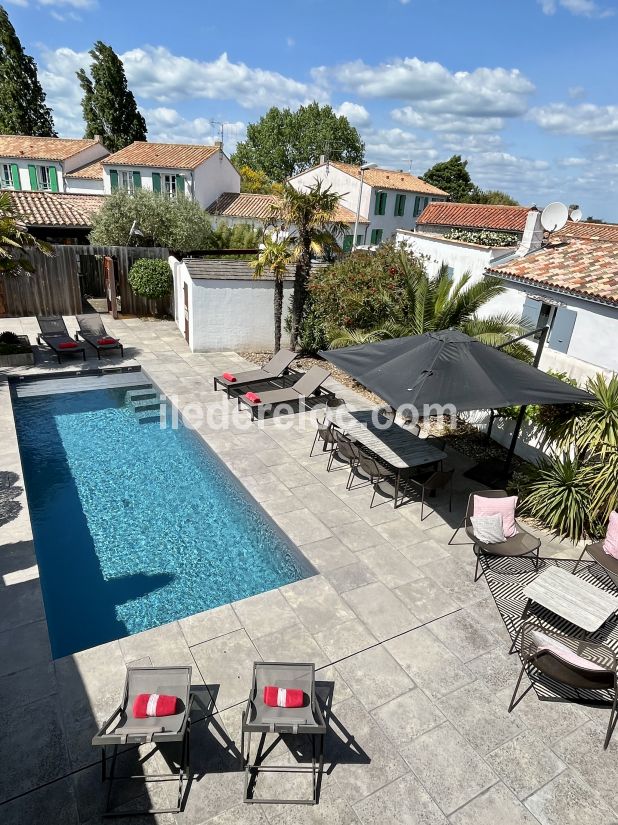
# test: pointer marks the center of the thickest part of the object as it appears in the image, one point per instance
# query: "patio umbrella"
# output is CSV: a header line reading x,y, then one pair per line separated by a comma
x,y
449,367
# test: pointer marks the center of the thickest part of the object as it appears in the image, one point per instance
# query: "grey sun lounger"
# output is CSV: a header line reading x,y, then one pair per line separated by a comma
x,y
309,385
262,719
91,329
122,728
55,334
275,368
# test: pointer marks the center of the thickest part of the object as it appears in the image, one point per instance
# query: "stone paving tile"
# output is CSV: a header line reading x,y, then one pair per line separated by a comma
x,y
24,647
427,599
227,663
264,613
302,526
496,669
375,677
54,803
423,552
328,554
497,804
317,604
292,643
345,639
358,536
163,645
583,751
525,764
403,802
549,720
389,565
464,636
350,577
383,613
408,716
448,767
208,625
566,800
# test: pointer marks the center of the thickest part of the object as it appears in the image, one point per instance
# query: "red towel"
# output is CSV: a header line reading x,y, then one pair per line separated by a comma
x,y
229,376
276,697
106,340
67,345
253,397
154,704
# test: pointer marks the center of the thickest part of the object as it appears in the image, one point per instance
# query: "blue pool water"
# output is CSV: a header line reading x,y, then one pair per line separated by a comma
x,y
135,525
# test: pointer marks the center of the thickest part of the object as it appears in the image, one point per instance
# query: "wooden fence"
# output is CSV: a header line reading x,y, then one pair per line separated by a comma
x,y
53,287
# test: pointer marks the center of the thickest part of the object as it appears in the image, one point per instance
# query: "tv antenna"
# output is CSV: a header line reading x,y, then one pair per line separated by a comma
x,y
554,217
220,126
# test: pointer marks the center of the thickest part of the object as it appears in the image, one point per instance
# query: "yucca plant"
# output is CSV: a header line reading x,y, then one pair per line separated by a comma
x,y
559,495
597,432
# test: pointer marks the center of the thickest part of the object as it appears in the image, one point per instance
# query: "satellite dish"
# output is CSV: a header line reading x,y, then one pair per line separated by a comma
x,y
576,215
554,217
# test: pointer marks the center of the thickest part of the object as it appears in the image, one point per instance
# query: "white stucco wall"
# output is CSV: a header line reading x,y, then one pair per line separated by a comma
x,y
85,157
82,158
462,257
83,186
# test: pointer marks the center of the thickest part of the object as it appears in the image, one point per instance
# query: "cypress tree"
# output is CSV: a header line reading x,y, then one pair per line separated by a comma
x,y
108,104
22,99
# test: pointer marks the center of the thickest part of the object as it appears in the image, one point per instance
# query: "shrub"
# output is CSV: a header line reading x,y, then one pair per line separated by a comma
x,y
151,278
482,237
12,344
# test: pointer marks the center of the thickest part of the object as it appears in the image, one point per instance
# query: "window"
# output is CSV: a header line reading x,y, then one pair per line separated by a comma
x,y
347,243
376,236
6,181
380,207
125,180
419,204
400,205
169,185
43,174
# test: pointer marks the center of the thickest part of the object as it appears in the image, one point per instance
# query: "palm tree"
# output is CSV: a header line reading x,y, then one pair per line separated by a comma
x,y
14,238
437,303
310,212
277,251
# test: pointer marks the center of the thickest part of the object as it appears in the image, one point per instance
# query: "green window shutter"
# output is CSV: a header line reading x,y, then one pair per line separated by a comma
x,y
113,179
53,178
180,184
137,180
376,236
156,181
15,176
380,208
400,205
347,242
34,181
359,240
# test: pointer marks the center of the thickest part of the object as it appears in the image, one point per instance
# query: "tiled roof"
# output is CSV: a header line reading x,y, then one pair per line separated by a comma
x,y
42,148
161,155
474,216
585,268
260,207
591,231
387,179
55,209
93,171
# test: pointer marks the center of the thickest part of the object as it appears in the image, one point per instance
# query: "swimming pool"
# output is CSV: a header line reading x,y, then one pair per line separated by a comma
x,y
134,525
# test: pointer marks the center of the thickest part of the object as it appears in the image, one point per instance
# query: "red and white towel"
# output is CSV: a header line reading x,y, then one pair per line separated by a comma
x,y
154,704
253,397
106,340
276,697
229,376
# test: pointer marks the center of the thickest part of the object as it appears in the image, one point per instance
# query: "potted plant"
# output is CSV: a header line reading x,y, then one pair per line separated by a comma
x,y
15,350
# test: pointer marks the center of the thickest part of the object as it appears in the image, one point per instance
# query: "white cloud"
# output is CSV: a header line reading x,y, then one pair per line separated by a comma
x,y
573,162
355,113
586,119
581,8
444,122
157,74
399,149
481,93
21,3
577,92
166,125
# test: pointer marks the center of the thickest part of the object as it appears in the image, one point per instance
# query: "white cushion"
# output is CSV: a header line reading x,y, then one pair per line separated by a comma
x,y
488,529
562,651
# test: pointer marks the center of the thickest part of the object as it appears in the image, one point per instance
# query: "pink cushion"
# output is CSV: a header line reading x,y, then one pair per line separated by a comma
x,y
504,507
563,652
610,545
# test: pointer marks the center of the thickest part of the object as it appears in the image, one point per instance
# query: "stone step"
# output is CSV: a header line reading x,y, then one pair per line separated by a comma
x,y
141,394
142,405
148,417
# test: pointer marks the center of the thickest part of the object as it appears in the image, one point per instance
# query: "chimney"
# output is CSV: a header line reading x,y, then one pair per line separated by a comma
x,y
97,138
322,159
219,145
532,239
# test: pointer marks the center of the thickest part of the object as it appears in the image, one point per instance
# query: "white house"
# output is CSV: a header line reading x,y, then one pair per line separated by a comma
x,y
42,164
234,208
389,200
200,172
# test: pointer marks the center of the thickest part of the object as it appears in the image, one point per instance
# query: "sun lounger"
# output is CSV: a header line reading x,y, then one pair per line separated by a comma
x,y
55,334
124,728
309,385
93,332
275,368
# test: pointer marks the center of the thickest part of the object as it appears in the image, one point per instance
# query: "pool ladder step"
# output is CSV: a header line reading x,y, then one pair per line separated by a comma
x,y
145,403
148,416
141,394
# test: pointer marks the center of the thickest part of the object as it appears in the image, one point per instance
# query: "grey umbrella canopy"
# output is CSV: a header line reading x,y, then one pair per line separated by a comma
x,y
449,367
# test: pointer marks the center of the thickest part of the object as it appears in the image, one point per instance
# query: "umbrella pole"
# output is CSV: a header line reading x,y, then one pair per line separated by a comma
x,y
522,409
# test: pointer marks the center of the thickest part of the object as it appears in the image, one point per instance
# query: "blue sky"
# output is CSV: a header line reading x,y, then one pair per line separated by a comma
x,y
525,90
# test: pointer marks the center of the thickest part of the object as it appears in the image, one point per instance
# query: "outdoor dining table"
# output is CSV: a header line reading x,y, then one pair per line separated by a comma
x,y
392,443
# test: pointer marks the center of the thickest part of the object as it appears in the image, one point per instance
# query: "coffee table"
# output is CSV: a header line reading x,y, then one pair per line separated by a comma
x,y
579,602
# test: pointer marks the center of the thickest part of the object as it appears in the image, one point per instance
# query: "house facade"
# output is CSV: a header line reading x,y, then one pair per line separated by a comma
x,y
41,164
389,200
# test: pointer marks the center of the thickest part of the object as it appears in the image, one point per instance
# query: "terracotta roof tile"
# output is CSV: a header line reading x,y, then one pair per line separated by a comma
x,y
591,231
387,179
93,171
42,148
55,209
161,155
260,207
474,216
586,268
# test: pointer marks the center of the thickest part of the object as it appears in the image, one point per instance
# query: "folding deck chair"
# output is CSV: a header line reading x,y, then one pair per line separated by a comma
x,y
308,385
277,367
55,334
92,330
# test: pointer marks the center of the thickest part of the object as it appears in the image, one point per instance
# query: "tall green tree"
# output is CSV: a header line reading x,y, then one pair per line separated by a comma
x,y
310,214
22,99
108,104
276,253
283,143
451,175
495,197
